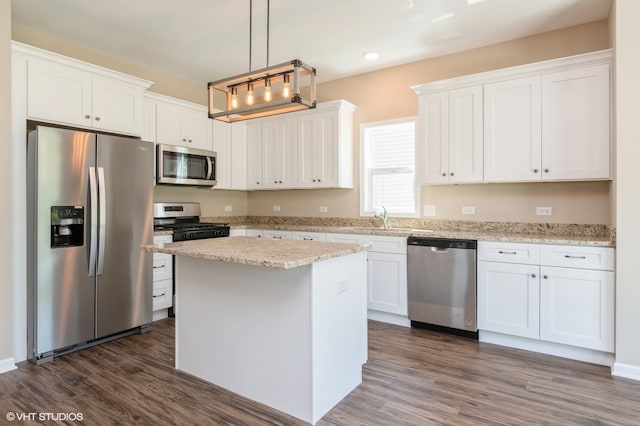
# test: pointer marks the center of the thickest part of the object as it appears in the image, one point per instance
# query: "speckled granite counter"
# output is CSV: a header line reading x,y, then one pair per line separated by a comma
x,y
279,254
537,233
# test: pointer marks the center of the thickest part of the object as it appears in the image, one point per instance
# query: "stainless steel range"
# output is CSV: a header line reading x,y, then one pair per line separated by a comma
x,y
184,220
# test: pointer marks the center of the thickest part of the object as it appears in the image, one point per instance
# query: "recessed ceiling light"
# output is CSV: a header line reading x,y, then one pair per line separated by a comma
x,y
370,56
443,17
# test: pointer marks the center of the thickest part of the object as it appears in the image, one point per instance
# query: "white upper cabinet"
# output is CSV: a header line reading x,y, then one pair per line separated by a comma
x,y
512,130
547,121
222,147
279,154
65,91
576,110
306,149
449,147
183,123
325,148
254,155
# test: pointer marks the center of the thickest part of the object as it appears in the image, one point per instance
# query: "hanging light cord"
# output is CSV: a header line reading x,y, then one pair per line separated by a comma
x,y
268,8
250,30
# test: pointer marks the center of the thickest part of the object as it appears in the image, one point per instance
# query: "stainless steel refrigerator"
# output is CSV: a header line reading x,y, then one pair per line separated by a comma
x,y
89,209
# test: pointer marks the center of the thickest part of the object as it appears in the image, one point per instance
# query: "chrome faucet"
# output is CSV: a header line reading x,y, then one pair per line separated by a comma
x,y
384,216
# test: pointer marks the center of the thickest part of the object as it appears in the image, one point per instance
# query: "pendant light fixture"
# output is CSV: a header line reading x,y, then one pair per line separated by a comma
x,y
267,91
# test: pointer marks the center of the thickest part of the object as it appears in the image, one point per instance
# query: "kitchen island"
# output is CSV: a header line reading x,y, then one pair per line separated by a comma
x,y
279,322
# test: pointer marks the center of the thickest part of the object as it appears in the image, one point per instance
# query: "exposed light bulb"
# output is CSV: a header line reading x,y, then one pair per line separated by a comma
x,y
250,94
286,92
267,90
234,98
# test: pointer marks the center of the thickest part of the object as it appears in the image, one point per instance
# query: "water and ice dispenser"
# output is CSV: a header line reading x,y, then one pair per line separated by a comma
x,y
67,226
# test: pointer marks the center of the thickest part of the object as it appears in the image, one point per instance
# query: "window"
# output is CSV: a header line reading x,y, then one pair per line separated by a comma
x,y
388,162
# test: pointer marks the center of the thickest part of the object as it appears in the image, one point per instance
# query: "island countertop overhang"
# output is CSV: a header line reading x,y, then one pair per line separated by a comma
x,y
277,254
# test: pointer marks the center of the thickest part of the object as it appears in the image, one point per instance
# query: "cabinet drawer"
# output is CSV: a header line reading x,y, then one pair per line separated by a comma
x,y
384,244
162,266
162,294
157,239
509,252
344,238
601,258
309,236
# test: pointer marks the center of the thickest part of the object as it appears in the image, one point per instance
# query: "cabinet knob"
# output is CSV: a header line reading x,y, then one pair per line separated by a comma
x,y
444,174
451,173
257,183
184,140
275,181
545,277
533,275
535,170
97,118
314,180
318,180
546,170
190,140
87,116
279,181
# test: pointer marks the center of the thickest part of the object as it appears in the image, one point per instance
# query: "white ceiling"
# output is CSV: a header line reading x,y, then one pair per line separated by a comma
x,y
205,40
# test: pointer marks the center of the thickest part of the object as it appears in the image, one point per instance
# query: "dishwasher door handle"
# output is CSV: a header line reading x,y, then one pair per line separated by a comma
x,y
439,249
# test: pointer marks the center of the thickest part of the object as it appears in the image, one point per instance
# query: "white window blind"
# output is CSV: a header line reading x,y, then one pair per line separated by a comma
x,y
388,167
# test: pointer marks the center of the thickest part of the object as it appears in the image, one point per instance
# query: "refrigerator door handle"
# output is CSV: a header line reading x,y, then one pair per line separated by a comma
x,y
103,220
93,208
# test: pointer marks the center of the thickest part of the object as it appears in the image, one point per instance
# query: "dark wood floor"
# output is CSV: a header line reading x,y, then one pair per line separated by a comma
x,y
413,377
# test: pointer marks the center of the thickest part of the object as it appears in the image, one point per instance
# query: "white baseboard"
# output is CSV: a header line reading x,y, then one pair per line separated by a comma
x,y
389,318
549,348
7,364
626,371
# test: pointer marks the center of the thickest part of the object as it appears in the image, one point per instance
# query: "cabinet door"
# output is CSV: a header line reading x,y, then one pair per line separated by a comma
x,y
576,110
308,236
117,107
432,147
279,154
318,150
170,124
254,156
509,299
149,121
222,147
238,155
59,94
199,128
512,131
387,282
465,135
577,307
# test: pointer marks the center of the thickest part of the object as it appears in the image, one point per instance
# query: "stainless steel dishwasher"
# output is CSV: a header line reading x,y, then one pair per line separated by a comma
x,y
441,277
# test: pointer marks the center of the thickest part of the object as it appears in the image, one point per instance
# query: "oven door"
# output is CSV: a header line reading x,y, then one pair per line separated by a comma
x,y
177,165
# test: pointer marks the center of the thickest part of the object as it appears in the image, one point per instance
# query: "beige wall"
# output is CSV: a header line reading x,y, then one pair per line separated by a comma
x,y
6,282
212,201
386,94
627,70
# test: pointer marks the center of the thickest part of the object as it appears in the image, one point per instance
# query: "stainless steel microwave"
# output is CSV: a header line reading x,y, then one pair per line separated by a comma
x,y
177,165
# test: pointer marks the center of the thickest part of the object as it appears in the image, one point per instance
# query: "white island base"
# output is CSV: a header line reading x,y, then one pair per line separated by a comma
x,y
292,339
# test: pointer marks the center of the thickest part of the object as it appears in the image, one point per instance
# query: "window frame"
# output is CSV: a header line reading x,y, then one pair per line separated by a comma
x,y
366,174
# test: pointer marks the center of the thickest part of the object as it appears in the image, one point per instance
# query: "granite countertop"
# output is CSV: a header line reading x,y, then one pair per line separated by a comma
x,y
278,254
530,238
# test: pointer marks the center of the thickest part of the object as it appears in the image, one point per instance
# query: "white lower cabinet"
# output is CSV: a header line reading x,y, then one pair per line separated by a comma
x,y
554,294
309,236
270,233
508,298
577,307
162,279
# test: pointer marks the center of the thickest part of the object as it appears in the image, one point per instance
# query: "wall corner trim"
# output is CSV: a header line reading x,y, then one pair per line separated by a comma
x,y
7,364
626,371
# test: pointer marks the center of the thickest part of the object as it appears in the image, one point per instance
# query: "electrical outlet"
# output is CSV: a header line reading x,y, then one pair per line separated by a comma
x,y
228,208
468,210
276,208
543,211
429,210
323,209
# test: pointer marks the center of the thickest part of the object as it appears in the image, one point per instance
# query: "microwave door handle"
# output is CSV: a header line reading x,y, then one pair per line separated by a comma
x,y
210,167
93,229
103,219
